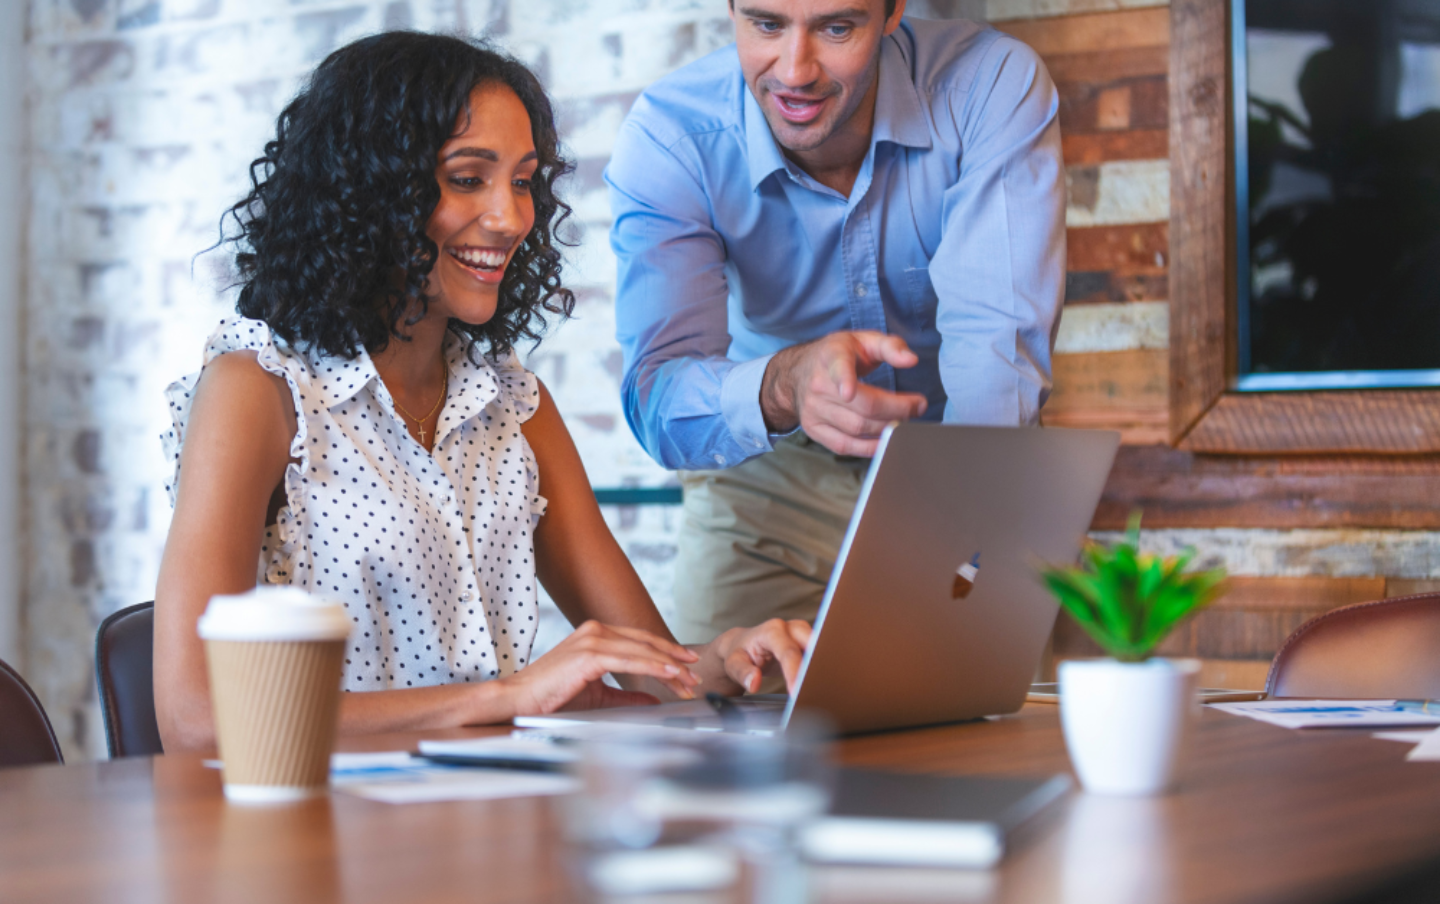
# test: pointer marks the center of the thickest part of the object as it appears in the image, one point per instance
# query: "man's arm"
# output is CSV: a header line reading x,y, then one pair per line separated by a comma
x,y
689,405
999,271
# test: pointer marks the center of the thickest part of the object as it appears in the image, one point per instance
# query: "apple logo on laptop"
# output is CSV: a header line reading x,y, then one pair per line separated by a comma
x,y
965,578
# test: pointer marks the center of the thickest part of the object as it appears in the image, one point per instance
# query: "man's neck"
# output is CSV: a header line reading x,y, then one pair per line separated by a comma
x,y
837,161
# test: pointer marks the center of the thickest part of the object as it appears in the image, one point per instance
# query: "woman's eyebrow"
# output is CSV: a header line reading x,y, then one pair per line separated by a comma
x,y
486,154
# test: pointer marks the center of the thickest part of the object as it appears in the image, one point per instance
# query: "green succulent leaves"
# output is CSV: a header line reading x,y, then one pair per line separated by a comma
x,y
1128,601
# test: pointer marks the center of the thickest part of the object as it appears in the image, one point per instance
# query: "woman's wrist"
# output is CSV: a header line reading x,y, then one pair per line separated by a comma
x,y
493,702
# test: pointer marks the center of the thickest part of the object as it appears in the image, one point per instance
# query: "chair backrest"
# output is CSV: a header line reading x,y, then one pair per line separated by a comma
x,y
124,658
26,737
1384,649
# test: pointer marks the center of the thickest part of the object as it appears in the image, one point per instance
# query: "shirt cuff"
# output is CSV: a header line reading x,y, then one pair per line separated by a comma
x,y
740,405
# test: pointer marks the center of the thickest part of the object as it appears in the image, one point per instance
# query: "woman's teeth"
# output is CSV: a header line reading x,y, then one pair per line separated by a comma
x,y
479,259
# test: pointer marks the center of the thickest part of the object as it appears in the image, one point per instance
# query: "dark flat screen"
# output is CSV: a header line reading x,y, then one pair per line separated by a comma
x,y
1338,184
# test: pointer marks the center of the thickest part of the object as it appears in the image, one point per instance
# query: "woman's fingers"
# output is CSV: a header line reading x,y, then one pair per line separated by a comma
x,y
621,664
684,654
594,637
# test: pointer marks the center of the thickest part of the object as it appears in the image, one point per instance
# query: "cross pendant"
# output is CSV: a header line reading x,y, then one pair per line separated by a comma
x,y
422,434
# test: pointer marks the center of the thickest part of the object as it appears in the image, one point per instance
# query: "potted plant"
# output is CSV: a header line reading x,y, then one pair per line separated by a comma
x,y
1125,718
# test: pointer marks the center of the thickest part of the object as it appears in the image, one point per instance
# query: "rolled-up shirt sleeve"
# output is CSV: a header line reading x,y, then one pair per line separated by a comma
x,y
999,270
686,402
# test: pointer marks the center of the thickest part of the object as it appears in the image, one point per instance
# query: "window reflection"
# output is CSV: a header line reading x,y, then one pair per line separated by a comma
x,y
1342,122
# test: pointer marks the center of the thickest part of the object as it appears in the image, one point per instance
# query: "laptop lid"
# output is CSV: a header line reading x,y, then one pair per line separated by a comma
x,y
934,612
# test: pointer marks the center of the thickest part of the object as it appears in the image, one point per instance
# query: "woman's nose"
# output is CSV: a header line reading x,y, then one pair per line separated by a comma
x,y
502,214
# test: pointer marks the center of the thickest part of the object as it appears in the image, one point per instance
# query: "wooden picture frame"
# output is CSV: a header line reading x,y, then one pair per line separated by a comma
x,y
1205,416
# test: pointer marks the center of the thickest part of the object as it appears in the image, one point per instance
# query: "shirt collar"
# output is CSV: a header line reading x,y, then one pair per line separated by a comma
x,y
341,378
471,386
899,116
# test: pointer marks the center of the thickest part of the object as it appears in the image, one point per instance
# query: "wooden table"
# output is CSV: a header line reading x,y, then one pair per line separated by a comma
x,y
1263,815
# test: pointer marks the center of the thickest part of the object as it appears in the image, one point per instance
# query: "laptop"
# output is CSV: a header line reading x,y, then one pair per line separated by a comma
x,y
934,612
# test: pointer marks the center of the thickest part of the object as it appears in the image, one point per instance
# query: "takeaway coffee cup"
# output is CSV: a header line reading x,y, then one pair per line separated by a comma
x,y
275,658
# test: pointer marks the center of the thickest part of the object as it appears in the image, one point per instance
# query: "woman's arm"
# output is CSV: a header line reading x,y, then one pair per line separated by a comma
x,y
586,573
236,448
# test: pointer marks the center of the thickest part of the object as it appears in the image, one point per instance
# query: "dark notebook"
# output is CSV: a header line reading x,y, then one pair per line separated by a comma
x,y
906,819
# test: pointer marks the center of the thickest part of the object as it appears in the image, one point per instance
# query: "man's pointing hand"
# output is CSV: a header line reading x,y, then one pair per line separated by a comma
x,y
817,387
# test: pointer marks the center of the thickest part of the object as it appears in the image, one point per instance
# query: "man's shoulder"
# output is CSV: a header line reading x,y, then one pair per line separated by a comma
x,y
947,55
696,98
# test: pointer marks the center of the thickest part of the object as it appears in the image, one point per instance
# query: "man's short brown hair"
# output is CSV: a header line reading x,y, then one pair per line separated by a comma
x,y
889,7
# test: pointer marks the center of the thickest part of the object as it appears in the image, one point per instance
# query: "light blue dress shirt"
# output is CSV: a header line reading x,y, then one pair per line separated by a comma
x,y
953,238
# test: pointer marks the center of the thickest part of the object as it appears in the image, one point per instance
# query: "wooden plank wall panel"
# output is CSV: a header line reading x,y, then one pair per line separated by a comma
x,y
1117,263
1178,489
1122,391
1111,72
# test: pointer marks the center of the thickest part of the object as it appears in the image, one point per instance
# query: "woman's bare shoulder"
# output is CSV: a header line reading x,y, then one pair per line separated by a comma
x,y
236,391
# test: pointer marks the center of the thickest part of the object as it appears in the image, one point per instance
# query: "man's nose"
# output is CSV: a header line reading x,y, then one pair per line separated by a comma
x,y
797,66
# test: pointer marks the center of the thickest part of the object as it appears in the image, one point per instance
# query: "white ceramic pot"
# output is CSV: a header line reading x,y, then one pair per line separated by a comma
x,y
1126,723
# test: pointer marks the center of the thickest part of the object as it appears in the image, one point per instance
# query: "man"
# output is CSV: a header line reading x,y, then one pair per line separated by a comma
x,y
843,220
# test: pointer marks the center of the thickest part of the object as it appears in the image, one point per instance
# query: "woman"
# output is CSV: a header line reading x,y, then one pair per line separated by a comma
x,y
365,431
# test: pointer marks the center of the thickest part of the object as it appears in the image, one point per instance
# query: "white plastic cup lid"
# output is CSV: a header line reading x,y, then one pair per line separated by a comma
x,y
273,613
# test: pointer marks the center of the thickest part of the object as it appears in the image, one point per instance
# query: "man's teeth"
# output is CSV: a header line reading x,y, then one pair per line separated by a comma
x,y
486,259
798,105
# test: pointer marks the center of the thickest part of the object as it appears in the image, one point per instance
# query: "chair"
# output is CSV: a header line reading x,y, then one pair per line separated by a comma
x,y
1383,649
124,657
26,737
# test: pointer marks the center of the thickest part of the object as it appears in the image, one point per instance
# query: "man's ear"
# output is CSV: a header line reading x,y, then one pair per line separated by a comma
x,y
891,23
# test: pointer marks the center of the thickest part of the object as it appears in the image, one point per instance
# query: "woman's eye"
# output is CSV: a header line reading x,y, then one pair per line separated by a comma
x,y
465,181
523,184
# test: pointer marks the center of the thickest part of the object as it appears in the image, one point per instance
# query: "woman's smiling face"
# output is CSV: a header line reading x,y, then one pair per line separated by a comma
x,y
485,209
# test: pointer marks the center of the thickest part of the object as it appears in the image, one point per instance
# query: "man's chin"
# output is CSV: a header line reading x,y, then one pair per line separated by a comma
x,y
800,138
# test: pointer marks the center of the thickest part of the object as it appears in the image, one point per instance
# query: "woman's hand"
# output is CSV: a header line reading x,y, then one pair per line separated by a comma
x,y
745,655
568,677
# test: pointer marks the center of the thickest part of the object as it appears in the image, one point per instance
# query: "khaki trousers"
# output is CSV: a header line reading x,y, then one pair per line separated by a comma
x,y
759,540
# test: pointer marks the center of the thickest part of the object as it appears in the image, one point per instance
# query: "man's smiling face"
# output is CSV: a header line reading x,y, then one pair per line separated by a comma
x,y
811,64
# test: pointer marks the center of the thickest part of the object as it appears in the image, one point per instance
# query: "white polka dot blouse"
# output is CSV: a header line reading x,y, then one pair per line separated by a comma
x,y
431,553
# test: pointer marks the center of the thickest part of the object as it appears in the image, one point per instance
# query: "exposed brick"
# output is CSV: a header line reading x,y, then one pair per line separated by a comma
x,y
87,451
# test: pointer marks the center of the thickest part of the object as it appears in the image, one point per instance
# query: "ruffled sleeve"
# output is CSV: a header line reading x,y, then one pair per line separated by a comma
x,y
240,334
521,389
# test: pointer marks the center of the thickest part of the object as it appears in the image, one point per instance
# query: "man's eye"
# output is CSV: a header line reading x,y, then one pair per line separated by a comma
x,y
766,26
839,31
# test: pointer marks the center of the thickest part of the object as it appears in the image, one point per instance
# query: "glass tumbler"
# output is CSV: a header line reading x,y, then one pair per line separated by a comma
x,y
714,816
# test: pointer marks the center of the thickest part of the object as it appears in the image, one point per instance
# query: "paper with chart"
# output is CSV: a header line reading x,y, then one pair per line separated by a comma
x,y
1328,713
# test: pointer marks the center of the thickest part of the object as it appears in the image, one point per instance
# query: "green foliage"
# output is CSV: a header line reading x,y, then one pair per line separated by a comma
x,y
1128,601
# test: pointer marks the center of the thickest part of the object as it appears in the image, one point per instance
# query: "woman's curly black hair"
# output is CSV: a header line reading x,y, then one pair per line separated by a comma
x,y
339,202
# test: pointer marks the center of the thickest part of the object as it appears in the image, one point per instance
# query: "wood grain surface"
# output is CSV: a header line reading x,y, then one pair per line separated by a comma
x,y
1176,488
1201,263
1123,391
1403,422
1261,814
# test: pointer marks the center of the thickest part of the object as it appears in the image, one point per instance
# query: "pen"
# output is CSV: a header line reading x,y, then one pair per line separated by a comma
x,y
1428,707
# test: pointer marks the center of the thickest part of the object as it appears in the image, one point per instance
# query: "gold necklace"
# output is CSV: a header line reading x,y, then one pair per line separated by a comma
x,y
420,421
